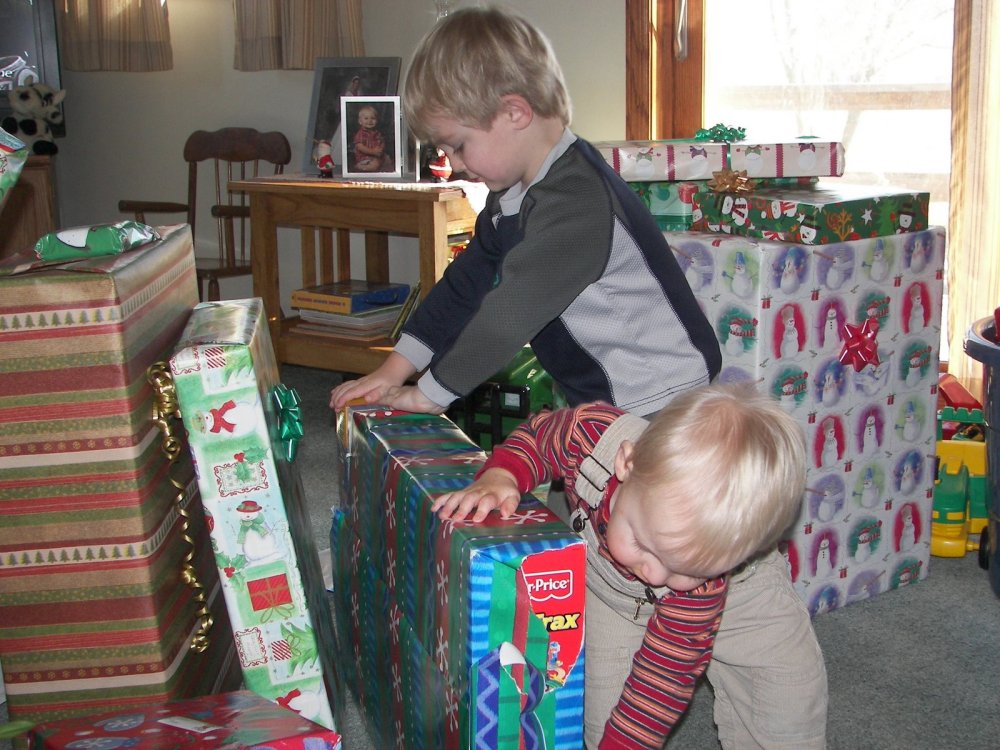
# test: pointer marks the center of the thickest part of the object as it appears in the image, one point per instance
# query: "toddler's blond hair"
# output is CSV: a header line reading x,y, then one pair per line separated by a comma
x,y
733,461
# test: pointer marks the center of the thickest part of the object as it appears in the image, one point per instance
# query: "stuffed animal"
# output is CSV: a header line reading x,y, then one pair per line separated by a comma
x,y
36,110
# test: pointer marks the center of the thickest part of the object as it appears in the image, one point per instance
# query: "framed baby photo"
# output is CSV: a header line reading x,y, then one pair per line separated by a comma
x,y
371,136
335,78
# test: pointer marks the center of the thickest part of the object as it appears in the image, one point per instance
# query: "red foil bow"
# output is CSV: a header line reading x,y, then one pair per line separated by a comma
x,y
860,346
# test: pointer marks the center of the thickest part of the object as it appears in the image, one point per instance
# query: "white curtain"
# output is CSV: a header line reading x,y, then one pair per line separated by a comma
x,y
291,34
974,242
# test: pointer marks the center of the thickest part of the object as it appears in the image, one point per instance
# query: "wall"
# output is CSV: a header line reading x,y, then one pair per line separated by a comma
x,y
125,131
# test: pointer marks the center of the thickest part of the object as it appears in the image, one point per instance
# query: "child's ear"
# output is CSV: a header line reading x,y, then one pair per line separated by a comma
x,y
623,460
517,110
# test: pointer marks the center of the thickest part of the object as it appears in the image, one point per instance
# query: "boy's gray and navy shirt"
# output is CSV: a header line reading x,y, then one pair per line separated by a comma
x,y
575,265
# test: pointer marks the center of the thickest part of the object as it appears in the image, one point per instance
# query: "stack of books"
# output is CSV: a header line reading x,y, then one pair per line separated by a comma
x,y
355,309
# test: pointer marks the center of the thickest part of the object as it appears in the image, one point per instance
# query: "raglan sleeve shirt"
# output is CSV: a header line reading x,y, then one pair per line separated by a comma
x,y
678,642
511,282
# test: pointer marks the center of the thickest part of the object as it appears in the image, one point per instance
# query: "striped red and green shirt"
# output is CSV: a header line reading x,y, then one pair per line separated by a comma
x,y
678,643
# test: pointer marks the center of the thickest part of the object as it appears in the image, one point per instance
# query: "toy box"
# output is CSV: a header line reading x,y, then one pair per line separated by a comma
x,y
821,214
243,428
648,161
100,528
457,635
232,721
846,337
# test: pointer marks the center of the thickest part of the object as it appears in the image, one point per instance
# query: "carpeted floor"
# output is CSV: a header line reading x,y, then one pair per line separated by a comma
x,y
913,669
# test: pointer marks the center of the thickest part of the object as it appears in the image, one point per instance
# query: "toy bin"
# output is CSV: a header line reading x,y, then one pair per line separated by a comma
x,y
981,344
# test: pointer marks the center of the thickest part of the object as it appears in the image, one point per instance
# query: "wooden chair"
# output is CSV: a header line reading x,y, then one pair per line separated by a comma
x,y
235,154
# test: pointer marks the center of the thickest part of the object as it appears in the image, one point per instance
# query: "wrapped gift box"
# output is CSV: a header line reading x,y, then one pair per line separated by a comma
x,y
453,630
648,161
846,337
672,203
822,214
98,524
243,428
234,721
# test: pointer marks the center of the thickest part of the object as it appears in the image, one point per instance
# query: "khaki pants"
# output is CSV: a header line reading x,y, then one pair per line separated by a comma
x,y
767,670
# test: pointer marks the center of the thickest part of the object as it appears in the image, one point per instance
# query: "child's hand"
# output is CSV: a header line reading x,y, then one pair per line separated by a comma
x,y
373,387
495,488
411,398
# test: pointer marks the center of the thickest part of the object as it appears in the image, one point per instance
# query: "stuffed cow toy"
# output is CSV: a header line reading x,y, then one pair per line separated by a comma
x,y
36,110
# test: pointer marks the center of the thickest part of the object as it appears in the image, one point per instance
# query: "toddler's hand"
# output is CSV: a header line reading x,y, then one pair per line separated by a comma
x,y
495,488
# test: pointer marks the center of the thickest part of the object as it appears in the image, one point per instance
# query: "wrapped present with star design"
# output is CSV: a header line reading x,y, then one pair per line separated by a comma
x,y
846,337
109,595
719,148
240,719
456,634
244,428
820,214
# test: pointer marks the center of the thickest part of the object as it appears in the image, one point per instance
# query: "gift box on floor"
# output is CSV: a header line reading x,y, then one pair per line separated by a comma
x,y
244,428
846,337
236,720
647,161
821,214
455,634
95,542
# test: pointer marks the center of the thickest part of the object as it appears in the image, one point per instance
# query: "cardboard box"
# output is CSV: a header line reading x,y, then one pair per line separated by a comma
x,y
243,429
846,337
233,721
676,160
452,630
97,524
822,214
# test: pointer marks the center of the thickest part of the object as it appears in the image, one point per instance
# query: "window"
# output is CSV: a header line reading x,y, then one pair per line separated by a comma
x,y
876,76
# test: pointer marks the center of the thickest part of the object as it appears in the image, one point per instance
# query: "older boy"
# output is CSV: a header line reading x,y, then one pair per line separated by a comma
x,y
564,255
666,520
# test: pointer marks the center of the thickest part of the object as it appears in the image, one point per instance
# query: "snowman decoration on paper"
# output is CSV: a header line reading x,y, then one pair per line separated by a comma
x,y
908,529
878,268
741,280
230,418
257,541
870,492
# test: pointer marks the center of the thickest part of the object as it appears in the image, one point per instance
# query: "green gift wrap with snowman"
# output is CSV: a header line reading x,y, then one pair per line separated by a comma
x,y
244,429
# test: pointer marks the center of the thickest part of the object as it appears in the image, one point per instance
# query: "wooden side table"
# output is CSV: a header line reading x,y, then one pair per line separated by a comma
x,y
328,208
30,211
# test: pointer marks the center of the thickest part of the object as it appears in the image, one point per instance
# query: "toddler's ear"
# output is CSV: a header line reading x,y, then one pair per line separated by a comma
x,y
623,460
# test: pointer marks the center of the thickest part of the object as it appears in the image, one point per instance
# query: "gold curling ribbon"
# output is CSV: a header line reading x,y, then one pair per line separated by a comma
x,y
165,410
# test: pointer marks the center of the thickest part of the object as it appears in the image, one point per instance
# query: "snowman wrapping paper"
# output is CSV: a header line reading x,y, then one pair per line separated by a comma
x,y
243,430
650,161
846,337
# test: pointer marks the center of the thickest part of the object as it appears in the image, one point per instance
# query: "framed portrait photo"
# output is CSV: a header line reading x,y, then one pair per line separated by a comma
x,y
371,136
334,79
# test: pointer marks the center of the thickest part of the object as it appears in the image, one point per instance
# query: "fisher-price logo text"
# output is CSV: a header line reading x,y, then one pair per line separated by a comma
x,y
554,584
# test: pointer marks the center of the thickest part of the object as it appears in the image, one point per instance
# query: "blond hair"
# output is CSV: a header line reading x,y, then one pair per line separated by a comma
x,y
733,462
473,58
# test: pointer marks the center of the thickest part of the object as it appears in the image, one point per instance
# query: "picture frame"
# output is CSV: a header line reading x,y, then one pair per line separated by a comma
x,y
335,78
371,136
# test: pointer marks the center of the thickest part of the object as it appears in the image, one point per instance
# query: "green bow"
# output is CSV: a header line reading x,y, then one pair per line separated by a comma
x,y
721,133
286,404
